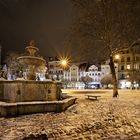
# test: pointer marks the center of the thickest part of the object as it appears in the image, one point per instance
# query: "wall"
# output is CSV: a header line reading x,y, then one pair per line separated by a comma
x,y
20,91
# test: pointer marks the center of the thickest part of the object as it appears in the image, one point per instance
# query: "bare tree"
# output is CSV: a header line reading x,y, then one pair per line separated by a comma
x,y
104,26
106,80
86,80
12,62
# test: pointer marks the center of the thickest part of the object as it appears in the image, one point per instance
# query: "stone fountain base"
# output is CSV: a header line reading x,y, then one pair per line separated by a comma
x,y
22,108
29,90
26,97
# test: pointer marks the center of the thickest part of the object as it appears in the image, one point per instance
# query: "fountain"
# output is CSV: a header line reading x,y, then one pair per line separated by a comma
x,y
32,62
18,97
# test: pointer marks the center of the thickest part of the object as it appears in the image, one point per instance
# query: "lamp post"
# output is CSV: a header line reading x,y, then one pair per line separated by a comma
x,y
64,64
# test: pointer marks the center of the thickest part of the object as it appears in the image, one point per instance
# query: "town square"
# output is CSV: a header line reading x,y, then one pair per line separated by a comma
x,y
69,70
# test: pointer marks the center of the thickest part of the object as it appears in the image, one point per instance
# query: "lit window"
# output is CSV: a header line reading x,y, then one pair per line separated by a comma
x,y
127,76
135,66
128,67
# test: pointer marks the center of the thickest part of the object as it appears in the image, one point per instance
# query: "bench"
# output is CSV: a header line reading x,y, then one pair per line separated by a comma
x,y
94,97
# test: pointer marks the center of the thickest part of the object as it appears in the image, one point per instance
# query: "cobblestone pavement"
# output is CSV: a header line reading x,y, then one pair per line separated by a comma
x,y
105,119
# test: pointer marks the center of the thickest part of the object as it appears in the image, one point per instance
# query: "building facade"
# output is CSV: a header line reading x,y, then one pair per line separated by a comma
x,y
76,71
106,74
129,68
71,76
95,74
55,70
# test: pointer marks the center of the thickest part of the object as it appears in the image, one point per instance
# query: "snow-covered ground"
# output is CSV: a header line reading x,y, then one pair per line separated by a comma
x,y
105,119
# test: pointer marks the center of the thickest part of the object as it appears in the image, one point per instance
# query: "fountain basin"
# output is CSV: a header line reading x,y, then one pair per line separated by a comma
x,y
27,97
29,90
22,108
31,60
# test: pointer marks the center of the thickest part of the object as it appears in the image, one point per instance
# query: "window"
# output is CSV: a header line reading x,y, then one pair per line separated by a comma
x,y
122,60
98,73
135,66
128,59
128,75
122,52
122,67
137,58
122,76
128,67
51,66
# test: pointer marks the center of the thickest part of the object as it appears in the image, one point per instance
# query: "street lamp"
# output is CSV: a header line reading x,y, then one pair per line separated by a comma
x,y
117,56
64,63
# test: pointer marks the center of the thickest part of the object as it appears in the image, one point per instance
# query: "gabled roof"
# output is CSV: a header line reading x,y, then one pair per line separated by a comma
x,y
84,66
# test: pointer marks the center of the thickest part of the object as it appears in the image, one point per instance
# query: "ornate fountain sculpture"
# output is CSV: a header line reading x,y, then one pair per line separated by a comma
x,y
32,63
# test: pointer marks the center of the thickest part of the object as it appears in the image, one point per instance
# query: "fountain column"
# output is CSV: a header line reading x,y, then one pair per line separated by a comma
x,y
32,62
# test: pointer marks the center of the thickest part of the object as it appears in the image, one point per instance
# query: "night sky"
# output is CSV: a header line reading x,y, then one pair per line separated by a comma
x,y
45,21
